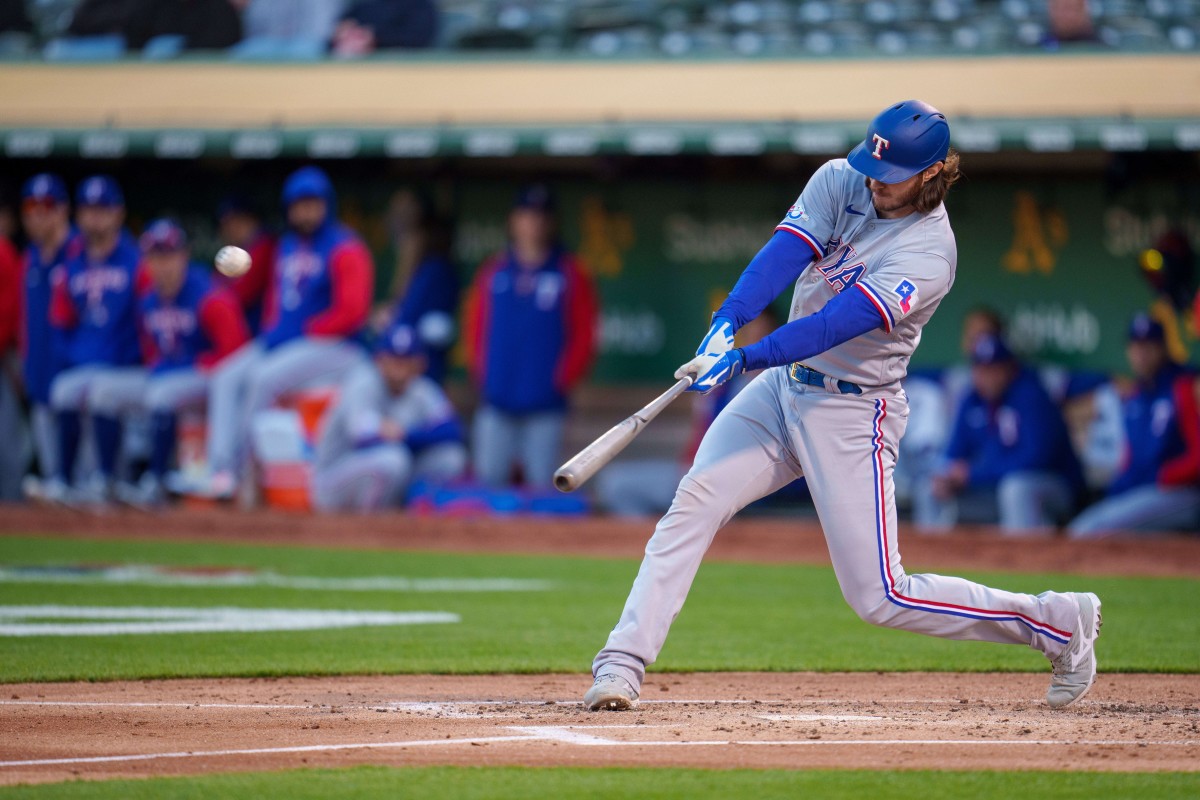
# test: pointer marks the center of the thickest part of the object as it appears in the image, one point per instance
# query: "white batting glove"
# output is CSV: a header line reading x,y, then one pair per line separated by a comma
x,y
712,369
719,338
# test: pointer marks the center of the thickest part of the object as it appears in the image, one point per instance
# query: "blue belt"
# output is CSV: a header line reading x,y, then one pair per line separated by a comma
x,y
807,375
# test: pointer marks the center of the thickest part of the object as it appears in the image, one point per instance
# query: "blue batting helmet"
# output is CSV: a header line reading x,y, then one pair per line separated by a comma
x,y
903,140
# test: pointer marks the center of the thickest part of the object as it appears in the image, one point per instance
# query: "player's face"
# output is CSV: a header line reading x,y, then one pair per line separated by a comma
x,y
307,214
238,229
992,380
100,222
399,371
974,326
895,200
167,269
41,220
530,228
1145,359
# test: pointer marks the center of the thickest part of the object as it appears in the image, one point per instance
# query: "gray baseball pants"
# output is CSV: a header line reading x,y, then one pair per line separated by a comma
x,y
376,478
253,378
500,439
773,432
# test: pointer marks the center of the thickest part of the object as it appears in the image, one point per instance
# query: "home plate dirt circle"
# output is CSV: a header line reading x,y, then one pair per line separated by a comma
x,y
773,720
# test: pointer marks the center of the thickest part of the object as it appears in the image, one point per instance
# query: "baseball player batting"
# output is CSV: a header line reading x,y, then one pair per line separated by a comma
x,y
869,248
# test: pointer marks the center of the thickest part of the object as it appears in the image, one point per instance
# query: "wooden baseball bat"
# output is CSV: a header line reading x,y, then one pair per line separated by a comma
x,y
573,474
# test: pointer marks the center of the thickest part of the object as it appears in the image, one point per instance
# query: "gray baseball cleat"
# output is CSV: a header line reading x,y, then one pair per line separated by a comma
x,y
1075,669
610,693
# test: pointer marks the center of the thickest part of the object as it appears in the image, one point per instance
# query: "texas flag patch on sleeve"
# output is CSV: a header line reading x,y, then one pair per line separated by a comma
x,y
907,293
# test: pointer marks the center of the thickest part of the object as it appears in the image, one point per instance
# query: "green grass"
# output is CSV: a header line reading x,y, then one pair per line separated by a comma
x,y
497,783
738,617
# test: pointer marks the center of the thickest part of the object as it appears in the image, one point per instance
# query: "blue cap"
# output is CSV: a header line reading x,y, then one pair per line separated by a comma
x,y
535,197
400,340
236,204
45,187
307,182
903,140
990,349
163,236
1144,328
99,190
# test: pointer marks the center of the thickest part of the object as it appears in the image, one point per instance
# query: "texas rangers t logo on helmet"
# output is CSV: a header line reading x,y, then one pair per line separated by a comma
x,y
881,144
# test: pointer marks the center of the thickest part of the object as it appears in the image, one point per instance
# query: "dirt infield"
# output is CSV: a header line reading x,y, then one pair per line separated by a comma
x,y
769,540
872,721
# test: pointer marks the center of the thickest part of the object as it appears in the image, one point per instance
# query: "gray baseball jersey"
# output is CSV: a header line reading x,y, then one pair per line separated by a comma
x,y
364,403
904,266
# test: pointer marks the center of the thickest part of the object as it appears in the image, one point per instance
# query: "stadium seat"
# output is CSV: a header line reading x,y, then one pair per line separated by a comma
x,y
163,48
85,48
14,45
1183,37
268,48
1132,33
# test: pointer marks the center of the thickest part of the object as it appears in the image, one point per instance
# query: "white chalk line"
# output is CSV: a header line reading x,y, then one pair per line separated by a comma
x,y
157,575
95,704
116,620
568,735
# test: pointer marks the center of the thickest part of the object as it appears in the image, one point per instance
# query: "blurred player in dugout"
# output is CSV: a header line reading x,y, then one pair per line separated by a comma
x,y
15,454
529,329
240,224
93,306
391,424
188,325
1158,485
316,307
1009,458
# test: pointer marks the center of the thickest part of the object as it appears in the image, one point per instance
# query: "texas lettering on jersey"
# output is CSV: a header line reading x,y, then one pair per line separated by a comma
x,y
841,270
168,326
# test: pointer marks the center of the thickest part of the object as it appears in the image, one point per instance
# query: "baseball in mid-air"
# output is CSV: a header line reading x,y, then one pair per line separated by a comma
x,y
232,261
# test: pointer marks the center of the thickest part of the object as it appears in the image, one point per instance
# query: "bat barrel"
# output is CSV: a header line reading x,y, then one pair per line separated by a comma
x,y
565,480
573,474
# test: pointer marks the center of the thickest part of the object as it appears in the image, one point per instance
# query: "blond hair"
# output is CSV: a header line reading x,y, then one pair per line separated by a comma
x,y
934,191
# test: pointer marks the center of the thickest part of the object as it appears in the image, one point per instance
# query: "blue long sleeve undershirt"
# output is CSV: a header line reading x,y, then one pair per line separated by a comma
x,y
776,266
844,317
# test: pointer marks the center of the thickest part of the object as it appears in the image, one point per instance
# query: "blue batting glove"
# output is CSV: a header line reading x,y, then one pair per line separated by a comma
x,y
719,338
712,369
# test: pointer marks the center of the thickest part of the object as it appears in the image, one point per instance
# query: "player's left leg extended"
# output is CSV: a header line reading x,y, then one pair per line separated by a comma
x,y
743,456
847,447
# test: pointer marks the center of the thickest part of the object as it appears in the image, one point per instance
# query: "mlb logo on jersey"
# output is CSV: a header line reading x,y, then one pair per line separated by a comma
x,y
907,293
797,212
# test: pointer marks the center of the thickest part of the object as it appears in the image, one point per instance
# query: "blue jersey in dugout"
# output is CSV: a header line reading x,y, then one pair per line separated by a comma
x,y
174,327
1151,431
1024,432
45,345
102,296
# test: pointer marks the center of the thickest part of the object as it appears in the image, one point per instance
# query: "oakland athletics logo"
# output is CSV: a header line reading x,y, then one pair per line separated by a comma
x,y
881,144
